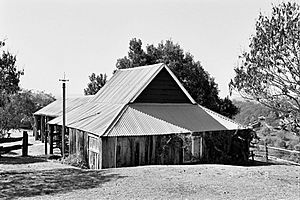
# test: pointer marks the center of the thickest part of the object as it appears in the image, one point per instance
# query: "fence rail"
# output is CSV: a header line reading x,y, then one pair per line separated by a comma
x,y
276,154
23,146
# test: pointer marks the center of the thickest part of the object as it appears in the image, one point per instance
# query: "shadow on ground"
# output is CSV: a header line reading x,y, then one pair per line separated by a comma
x,y
255,163
8,160
250,163
27,184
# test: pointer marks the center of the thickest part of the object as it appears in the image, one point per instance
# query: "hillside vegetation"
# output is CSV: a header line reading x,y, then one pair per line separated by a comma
x,y
267,124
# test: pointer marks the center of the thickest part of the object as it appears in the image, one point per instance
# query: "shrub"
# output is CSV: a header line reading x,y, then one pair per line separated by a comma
x,y
265,131
280,143
291,144
75,161
297,147
270,140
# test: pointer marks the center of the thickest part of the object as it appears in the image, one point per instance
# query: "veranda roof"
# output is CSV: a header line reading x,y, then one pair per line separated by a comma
x,y
54,109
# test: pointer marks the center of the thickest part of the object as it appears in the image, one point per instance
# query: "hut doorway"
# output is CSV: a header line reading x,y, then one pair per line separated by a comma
x,y
93,153
173,151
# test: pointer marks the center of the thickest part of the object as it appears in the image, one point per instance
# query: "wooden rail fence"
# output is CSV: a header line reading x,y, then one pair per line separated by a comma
x,y
23,146
274,153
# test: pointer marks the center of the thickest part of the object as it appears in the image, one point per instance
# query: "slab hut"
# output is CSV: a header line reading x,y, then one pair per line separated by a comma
x,y
145,116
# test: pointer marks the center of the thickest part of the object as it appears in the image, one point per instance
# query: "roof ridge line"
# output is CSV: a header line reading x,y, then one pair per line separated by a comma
x,y
140,67
115,120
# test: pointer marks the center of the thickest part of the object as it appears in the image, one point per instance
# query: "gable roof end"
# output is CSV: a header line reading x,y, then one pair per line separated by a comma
x,y
127,84
163,66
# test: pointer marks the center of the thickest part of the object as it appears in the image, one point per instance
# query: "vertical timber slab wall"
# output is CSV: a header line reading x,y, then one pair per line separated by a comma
x,y
108,152
139,150
72,141
100,153
85,146
79,144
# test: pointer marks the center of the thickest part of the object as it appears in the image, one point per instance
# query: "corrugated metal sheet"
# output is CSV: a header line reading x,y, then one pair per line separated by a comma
x,y
54,109
155,119
109,112
125,84
92,117
134,123
225,121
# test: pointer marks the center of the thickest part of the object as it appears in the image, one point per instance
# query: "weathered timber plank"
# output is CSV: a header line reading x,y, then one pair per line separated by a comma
x,y
7,140
11,148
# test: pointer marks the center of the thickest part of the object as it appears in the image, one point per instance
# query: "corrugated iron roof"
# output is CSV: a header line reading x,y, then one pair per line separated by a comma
x,y
127,84
156,119
134,123
225,121
111,112
54,109
91,117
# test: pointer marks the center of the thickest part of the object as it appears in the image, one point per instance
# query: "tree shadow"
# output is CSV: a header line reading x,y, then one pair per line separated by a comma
x,y
256,163
11,160
28,184
250,163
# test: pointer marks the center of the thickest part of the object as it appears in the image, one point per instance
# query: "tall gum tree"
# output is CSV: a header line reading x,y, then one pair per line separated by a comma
x,y
191,74
9,86
270,71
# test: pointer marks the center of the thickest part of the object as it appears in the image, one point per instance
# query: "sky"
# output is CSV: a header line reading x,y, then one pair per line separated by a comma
x,y
80,37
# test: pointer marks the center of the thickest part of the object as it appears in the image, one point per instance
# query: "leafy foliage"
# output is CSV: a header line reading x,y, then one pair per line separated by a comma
x,y
16,106
97,82
270,71
194,78
9,85
18,109
9,75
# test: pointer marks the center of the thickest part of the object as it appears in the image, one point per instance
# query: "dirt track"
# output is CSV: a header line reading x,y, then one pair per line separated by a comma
x,y
58,181
37,178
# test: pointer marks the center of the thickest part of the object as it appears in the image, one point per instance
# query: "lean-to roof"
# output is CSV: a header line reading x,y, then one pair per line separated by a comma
x,y
158,119
91,117
54,109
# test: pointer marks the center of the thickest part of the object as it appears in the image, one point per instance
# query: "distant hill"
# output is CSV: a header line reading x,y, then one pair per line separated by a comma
x,y
250,112
266,123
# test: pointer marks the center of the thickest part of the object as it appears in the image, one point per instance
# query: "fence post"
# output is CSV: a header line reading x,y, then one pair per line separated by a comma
x,y
266,147
25,144
252,155
35,128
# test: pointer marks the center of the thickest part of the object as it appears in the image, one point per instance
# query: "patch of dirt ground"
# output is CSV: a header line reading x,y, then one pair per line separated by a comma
x,y
151,182
37,178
